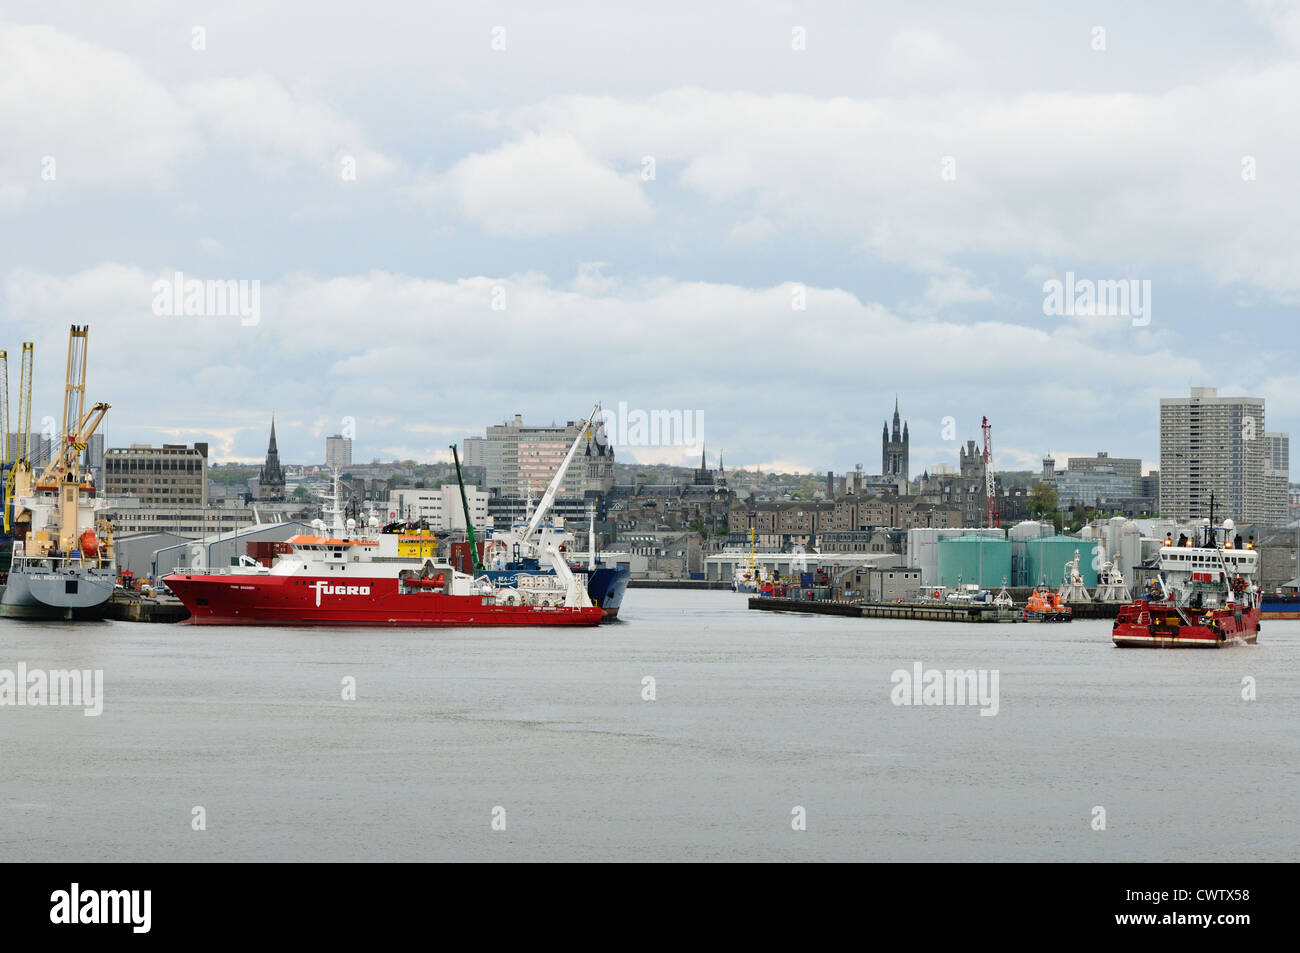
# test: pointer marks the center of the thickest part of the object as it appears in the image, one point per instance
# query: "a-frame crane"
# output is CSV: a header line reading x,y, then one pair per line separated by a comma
x,y
18,475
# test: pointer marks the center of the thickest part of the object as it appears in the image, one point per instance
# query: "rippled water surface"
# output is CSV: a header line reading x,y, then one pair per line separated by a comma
x,y
755,714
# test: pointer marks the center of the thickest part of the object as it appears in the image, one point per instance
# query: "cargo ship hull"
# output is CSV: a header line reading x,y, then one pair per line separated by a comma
x,y
66,592
606,587
218,599
1280,607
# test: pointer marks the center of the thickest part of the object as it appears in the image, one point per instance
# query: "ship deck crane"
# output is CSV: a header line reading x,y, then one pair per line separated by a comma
x,y
469,517
5,461
990,496
549,497
18,466
64,468
78,424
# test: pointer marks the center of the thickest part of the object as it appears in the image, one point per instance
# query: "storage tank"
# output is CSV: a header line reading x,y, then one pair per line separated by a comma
x,y
1030,529
923,548
1045,560
1019,534
980,560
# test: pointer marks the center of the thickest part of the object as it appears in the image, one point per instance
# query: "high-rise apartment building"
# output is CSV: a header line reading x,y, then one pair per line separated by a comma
x,y
1277,477
338,451
473,452
1212,446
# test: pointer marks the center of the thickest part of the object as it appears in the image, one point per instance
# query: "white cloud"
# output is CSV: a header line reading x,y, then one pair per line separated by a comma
x,y
1125,179
651,342
96,112
544,185
1282,17
281,131
105,122
955,288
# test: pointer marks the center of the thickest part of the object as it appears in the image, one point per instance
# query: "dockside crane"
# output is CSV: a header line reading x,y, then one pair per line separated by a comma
x,y
79,425
990,496
64,469
5,460
17,478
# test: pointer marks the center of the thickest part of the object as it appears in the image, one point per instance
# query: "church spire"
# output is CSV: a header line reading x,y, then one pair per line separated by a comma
x,y
271,479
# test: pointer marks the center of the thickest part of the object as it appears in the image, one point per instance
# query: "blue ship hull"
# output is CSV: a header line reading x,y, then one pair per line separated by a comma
x,y
1280,607
606,587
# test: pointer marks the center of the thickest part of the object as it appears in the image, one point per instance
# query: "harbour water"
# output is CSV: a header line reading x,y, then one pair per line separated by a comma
x,y
755,714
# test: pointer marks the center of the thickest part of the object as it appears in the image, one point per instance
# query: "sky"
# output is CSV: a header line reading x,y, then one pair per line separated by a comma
x,y
773,217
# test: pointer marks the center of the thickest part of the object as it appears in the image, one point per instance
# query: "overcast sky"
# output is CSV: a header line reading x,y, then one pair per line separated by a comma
x,y
911,177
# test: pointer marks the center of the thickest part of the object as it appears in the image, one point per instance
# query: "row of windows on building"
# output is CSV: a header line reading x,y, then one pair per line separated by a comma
x,y
114,464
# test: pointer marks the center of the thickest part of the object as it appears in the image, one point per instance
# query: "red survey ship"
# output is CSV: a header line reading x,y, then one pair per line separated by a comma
x,y
368,581
1203,597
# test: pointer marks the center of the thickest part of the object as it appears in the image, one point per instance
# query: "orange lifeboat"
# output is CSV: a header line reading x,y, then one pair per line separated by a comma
x,y
1046,606
89,543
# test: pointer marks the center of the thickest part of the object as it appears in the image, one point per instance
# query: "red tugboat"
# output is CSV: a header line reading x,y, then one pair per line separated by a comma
x,y
1203,597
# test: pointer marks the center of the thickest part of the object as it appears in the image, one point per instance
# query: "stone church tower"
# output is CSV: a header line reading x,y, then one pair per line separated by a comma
x,y
893,449
271,479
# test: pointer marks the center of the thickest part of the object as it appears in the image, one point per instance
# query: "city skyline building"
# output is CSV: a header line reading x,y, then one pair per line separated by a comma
x,y
338,451
170,475
1214,450
520,460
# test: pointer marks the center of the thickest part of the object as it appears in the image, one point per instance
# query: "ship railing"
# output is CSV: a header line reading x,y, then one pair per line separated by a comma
x,y
57,562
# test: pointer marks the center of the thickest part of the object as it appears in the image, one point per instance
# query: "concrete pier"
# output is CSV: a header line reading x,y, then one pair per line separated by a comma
x,y
931,611
701,584
135,607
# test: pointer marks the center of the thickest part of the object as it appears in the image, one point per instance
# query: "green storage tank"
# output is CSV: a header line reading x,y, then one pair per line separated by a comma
x,y
1045,560
979,560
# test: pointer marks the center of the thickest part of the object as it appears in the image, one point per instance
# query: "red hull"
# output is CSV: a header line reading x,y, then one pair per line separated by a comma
x,y
1155,625
300,600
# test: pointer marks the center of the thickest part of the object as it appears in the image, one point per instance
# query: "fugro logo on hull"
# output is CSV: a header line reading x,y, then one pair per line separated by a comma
x,y
332,590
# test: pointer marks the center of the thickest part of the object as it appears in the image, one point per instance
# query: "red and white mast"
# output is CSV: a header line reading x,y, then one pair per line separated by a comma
x,y
990,498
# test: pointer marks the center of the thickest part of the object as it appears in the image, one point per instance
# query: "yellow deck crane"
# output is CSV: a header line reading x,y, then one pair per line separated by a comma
x,y
19,476
64,468
6,459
